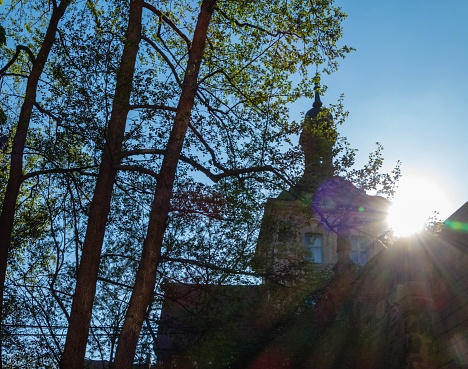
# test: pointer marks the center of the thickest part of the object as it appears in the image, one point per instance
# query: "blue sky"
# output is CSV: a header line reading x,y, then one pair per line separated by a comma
x,y
405,86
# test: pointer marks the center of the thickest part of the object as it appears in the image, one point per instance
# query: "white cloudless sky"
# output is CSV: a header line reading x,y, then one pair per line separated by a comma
x,y
405,86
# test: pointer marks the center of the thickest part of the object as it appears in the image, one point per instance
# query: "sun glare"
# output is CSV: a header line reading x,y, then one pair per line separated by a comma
x,y
415,200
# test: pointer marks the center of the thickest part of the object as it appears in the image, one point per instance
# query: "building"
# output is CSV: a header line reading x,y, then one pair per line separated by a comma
x,y
324,218
405,306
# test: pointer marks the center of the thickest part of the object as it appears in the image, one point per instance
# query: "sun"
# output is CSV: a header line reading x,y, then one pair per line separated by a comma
x,y
415,201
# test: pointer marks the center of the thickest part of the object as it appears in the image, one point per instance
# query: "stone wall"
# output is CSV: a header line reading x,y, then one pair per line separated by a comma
x,y
394,305
411,307
406,308
451,304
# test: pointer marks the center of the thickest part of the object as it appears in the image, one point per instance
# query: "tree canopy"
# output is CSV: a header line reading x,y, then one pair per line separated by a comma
x,y
142,140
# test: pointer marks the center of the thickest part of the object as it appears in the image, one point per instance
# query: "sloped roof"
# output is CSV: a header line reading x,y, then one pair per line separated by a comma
x,y
461,215
455,229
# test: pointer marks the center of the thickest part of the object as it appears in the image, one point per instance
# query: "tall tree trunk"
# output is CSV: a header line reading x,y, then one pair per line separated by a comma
x,y
15,177
80,316
146,274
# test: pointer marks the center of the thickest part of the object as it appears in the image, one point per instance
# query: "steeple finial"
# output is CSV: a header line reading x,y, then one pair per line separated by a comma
x,y
317,103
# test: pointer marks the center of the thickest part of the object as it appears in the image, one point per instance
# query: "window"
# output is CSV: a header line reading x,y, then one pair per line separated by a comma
x,y
314,247
359,249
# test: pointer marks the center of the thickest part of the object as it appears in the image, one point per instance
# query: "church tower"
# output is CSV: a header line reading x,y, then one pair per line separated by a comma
x,y
324,219
317,139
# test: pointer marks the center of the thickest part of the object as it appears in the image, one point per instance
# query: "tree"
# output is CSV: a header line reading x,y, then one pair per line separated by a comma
x,y
233,136
217,71
80,316
145,279
15,177
146,275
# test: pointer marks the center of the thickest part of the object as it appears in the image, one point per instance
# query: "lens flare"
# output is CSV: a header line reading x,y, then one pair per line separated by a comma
x,y
457,226
415,201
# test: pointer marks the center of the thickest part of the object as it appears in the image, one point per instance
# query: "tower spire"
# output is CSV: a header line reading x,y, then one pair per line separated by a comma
x,y
317,103
317,139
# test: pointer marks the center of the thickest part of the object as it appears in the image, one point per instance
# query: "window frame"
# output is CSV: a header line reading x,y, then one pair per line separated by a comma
x,y
312,248
359,253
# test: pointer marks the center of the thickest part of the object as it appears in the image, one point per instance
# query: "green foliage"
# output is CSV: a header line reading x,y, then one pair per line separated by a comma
x,y
370,178
261,56
434,224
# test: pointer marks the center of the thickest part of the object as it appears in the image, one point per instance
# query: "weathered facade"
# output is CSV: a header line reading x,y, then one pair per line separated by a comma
x,y
323,219
405,306
343,225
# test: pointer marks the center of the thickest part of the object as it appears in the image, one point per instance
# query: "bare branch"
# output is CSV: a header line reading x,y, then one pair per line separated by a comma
x,y
168,22
186,211
14,75
111,255
137,168
213,176
207,265
107,280
60,170
249,25
164,56
185,159
152,106
126,154
26,49
207,147
44,111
